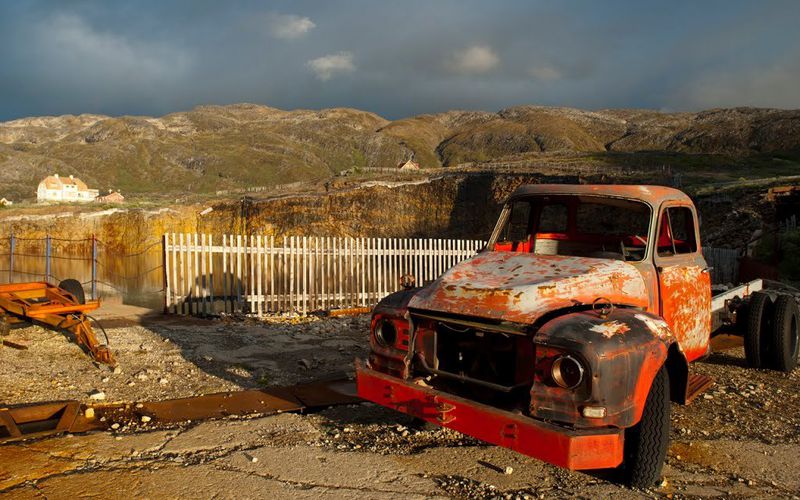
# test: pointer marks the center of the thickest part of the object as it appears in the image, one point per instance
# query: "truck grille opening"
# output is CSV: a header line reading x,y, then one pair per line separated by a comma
x,y
490,357
492,367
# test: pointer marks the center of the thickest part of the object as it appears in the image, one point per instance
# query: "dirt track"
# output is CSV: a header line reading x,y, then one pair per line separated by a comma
x,y
742,438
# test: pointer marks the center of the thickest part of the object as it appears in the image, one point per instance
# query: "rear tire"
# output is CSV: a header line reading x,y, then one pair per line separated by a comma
x,y
756,336
785,341
646,442
74,288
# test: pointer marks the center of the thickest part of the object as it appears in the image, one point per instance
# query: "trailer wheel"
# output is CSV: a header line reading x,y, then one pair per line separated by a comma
x,y
646,442
74,288
785,335
756,336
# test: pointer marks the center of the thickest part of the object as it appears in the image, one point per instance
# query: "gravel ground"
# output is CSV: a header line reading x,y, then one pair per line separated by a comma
x,y
740,439
177,357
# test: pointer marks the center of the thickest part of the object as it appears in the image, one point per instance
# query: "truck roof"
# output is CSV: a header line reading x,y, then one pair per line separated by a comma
x,y
654,195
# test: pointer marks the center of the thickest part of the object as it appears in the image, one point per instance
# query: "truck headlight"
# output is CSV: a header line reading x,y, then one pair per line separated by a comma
x,y
567,372
386,333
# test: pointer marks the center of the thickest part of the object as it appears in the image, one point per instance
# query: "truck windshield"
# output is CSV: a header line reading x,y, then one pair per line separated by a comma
x,y
581,226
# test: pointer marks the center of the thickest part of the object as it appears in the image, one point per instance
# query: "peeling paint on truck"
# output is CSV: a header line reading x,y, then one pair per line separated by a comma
x,y
520,288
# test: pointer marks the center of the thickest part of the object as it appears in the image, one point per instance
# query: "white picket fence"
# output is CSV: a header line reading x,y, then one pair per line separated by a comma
x,y
259,275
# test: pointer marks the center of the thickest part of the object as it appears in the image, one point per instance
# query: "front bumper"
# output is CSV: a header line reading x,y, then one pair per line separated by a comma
x,y
571,449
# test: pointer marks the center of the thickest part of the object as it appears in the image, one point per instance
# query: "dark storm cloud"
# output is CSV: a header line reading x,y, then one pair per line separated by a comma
x,y
395,58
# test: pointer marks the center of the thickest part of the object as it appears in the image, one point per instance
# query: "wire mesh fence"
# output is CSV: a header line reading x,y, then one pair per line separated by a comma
x,y
105,270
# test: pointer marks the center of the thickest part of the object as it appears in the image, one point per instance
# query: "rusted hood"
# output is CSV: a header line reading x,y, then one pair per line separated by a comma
x,y
522,287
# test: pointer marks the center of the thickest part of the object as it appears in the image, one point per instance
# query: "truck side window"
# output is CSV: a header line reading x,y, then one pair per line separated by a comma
x,y
553,219
676,233
517,228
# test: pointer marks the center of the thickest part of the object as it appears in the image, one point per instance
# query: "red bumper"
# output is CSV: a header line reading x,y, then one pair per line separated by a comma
x,y
572,449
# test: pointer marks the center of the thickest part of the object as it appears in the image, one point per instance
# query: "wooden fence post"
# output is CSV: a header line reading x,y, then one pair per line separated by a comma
x,y
165,263
47,252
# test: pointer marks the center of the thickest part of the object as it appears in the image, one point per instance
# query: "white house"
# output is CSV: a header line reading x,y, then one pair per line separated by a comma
x,y
55,188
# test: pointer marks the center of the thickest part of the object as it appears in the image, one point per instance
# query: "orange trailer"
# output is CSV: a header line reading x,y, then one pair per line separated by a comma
x,y
63,307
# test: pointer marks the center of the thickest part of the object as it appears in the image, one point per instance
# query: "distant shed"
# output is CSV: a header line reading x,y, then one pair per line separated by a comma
x,y
111,197
408,165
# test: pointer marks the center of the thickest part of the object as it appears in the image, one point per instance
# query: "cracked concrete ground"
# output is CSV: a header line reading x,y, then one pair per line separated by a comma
x,y
741,440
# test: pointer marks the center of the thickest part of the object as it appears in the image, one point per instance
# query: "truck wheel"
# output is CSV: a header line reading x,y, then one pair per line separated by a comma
x,y
74,288
646,442
785,336
756,336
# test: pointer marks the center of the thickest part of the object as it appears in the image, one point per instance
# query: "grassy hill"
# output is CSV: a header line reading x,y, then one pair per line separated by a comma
x,y
227,147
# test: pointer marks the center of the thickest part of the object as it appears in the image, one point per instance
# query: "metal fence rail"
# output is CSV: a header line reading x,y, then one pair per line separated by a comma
x,y
102,270
260,275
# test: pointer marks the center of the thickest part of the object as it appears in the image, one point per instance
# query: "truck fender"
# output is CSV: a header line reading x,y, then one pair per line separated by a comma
x,y
623,351
396,303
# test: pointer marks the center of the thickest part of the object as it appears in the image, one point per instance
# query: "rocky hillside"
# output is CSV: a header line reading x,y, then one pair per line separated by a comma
x,y
222,147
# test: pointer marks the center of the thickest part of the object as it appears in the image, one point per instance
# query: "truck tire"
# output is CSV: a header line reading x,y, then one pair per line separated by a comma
x,y
785,341
74,288
646,442
756,335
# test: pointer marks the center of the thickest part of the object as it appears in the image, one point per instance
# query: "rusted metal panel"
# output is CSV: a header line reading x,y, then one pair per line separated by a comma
x,y
696,385
572,449
211,406
41,419
38,420
686,306
684,280
520,288
324,393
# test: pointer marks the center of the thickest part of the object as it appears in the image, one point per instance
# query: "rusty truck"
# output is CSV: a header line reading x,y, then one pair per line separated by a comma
x,y
568,336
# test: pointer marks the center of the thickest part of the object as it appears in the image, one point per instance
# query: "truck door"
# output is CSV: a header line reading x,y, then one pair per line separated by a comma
x,y
684,280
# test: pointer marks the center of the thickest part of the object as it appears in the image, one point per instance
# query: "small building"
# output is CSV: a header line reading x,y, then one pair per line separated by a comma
x,y
5,203
408,165
56,188
111,197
